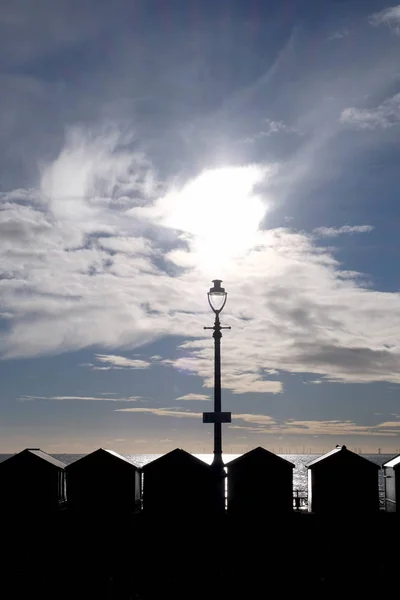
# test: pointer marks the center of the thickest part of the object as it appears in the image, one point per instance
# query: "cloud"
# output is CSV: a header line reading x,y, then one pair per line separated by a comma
x,y
194,397
250,418
339,35
390,425
276,127
114,361
384,116
388,16
313,427
264,424
270,127
292,306
178,413
335,231
101,398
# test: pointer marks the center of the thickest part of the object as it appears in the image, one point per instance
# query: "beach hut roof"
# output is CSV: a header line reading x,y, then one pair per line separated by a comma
x,y
336,452
393,463
262,455
39,454
177,456
101,452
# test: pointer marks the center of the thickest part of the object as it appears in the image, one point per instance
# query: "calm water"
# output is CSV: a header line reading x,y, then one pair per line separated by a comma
x,y
299,460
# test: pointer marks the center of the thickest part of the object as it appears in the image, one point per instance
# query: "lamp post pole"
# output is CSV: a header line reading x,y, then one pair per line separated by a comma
x,y
217,299
217,335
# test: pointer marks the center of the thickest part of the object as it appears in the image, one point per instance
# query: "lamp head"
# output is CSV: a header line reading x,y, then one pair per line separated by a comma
x,y
217,296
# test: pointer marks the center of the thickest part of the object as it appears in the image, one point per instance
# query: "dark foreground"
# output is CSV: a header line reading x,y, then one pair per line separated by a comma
x,y
70,557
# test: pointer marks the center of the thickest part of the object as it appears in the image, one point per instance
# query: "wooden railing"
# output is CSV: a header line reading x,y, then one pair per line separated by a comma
x,y
300,500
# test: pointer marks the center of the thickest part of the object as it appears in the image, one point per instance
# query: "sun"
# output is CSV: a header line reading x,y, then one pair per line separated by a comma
x,y
219,211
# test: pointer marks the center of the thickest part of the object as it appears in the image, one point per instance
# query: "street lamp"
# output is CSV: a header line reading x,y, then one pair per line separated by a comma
x,y
217,299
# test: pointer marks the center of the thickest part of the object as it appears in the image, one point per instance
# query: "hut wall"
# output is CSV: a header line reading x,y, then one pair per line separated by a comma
x,y
344,488
27,484
390,489
178,490
102,485
252,488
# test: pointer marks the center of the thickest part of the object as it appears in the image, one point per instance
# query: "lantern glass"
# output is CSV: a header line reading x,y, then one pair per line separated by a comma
x,y
217,296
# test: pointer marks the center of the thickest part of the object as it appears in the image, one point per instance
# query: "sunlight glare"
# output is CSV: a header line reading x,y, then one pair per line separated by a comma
x,y
220,212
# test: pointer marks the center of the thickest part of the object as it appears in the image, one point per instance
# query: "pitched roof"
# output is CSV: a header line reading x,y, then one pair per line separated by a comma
x,y
339,450
105,452
262,455
175,457
393,463
39,454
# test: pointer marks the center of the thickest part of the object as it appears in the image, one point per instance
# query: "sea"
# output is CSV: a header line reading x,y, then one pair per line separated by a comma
x,y
299,460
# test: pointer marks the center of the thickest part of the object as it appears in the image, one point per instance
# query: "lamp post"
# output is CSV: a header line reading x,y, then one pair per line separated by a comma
x,y
217,299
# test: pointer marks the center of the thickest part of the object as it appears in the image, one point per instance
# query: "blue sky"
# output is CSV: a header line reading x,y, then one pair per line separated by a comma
x,y
149,147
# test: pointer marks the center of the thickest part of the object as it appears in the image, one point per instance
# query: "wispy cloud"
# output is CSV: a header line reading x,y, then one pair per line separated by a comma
x,y
62,290
313,427
388,16
336,231
178,413
339,34
114,361
262,424
384,116
194,397
101,398
270,127
254,418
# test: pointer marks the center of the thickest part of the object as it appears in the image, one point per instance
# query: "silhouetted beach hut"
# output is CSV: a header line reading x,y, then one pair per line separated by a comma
x,y
32,480
178,483
342,481
260,482
391,475
103,481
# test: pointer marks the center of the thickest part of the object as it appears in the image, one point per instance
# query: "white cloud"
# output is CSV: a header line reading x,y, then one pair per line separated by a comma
x,y
270,127
339,35
291,305
127,245
264,424
101,398
253,418
114,361
276,127
384,116
194,397
335,231
389,16
164,412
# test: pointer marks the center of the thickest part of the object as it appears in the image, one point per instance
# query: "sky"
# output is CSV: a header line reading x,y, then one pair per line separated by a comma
x,y
151,146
